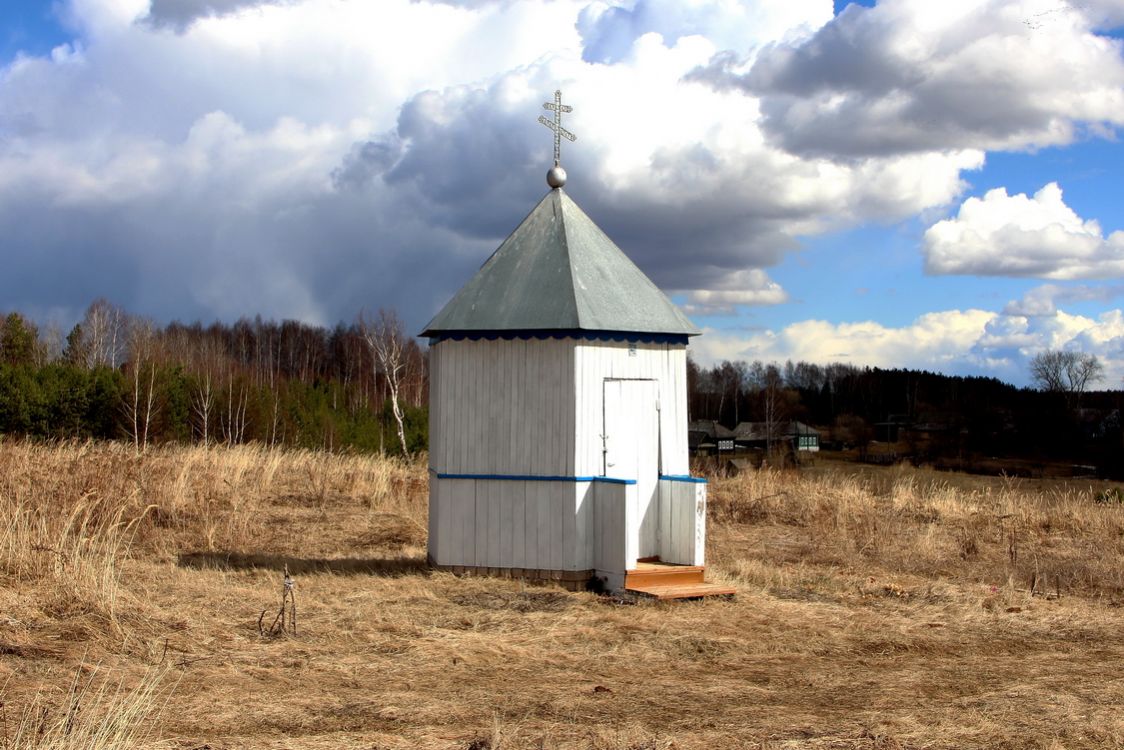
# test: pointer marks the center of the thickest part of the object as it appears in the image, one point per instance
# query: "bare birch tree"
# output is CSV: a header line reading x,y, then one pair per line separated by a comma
x,y
387,342
233,422
105,328
140,400
207,360
50,345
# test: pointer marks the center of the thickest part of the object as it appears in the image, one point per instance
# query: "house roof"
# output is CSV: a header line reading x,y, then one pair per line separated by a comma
x,y
711,428
559,272
751,431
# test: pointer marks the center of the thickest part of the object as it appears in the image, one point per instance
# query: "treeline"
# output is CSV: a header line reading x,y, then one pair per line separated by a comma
x,y
731,392
118,376
364,386
956,415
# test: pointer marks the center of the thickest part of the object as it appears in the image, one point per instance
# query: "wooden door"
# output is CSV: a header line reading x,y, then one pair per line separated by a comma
x,y
632,450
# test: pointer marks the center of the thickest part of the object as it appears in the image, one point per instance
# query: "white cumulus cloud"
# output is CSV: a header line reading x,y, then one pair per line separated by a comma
x,y
741,288
916,75
963,342
1019,235
1044,299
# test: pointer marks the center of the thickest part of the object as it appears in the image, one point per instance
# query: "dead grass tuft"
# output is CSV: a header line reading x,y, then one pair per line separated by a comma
x,y
95,713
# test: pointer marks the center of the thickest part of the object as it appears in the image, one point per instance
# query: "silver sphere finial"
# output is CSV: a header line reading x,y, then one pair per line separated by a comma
x,y
556,177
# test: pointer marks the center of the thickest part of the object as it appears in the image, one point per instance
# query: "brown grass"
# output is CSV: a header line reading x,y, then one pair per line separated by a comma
x,y
895,608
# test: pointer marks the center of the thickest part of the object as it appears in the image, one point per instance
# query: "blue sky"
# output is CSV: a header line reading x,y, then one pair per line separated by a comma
x,y
900,183
29,26
880,261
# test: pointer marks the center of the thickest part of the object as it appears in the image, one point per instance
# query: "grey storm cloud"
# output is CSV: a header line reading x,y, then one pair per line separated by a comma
x,y
481,169
858,88
179,14
320,258
365,162
475,164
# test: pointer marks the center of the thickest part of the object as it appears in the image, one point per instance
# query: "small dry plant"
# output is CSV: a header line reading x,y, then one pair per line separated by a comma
x,y
286,620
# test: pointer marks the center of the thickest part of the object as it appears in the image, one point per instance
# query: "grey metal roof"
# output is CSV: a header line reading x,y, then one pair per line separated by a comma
x,y
711,428
760,430
559,271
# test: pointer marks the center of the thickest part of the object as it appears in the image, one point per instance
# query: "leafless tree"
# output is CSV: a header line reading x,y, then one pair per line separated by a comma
x,y
233,422
419,377
1066,371
771,385
140,400
741,378
206,366
728,380
50,345
385,337
105,329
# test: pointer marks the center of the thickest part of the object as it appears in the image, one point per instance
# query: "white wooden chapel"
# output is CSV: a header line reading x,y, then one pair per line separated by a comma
x,y
558,415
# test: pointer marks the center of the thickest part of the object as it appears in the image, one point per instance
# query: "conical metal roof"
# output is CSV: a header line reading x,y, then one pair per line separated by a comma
x,y
559,272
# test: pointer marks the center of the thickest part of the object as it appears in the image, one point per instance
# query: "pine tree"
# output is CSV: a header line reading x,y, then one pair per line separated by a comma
x,y
17,341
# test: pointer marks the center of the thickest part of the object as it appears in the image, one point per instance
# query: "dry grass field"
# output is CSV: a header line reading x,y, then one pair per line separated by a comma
x,y
896,608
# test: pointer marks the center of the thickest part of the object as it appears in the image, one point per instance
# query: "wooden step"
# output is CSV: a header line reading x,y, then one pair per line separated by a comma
x,y
684,591
666,581
662,574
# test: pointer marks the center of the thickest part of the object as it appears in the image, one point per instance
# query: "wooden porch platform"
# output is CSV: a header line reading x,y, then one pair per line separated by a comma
x,y
666,581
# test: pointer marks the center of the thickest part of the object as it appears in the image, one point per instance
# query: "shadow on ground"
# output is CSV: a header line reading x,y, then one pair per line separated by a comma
x,y
397,566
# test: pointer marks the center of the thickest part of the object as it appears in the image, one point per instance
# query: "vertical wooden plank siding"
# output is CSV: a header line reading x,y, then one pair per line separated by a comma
x,y
559,509
529,536
490,492
480,502
678,552
666,502
529,408
668,518
684,541
445,394
502,408
435,486
568,514
434,411
610,523
698,553
581,550
632,526
464,525
513,530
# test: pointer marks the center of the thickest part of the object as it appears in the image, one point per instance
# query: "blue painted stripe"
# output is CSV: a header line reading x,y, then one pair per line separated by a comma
x,y
614,480
683,478
645,338
531,478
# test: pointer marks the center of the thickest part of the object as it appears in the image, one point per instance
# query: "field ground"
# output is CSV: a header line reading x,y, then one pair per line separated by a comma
x,y
894,608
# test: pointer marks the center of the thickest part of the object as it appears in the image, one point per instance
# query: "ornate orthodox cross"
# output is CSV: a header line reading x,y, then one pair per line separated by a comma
x,y
556,125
